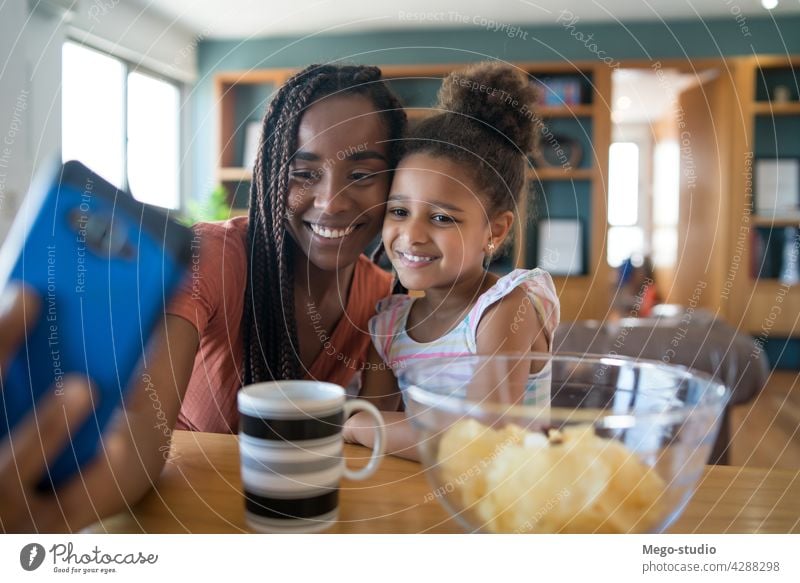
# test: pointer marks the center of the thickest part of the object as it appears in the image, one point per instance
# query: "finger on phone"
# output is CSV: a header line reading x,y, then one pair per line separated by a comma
x,y
44,432
19,308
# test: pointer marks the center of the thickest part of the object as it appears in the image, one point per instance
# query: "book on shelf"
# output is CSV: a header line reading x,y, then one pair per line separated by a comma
x,y
758,252
559,92
790,262
774,254
560,246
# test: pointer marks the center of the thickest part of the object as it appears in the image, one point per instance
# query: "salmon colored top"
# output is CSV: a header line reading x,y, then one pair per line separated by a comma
x,y
211,298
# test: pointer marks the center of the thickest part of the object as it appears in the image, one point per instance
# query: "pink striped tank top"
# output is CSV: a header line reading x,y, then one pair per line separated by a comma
x,y
398,350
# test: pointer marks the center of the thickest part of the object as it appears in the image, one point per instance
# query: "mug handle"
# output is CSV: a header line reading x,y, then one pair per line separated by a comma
x,y
380,438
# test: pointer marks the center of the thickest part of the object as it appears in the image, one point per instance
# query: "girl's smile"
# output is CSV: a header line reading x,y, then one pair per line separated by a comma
x,y
415,260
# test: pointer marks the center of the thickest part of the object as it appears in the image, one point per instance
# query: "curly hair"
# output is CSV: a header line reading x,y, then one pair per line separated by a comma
x,y
487,124
269,326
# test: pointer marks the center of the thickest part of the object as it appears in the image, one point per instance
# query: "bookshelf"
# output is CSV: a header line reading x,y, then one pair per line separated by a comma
x,y
767,302
241,99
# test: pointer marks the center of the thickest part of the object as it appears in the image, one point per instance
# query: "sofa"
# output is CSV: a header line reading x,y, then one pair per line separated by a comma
x,y
694,338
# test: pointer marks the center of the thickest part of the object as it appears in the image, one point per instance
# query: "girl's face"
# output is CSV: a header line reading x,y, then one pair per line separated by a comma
x,y
436,230
338,180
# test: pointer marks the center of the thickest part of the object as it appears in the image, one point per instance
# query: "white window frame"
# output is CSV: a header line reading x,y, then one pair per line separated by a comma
x,y
128,68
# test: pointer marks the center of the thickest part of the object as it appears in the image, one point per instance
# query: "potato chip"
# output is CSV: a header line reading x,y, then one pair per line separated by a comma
x,y
575,481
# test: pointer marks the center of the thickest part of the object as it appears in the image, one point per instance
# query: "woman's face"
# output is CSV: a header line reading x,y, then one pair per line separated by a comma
x,y
338,180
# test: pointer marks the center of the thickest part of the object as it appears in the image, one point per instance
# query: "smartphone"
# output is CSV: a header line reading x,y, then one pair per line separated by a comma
x,y
104,266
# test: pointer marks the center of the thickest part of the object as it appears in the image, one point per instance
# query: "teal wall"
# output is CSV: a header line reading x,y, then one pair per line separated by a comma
x,y
677,39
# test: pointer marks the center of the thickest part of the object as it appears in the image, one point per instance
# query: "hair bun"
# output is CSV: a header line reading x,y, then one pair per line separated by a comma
x,y
497,95
366,73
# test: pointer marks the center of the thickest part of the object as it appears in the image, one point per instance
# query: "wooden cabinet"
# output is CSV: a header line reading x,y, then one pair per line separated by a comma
x,y
767,304
571,191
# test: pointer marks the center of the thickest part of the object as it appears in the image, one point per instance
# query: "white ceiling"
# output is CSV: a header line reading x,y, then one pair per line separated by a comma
x,y
642,96
247,18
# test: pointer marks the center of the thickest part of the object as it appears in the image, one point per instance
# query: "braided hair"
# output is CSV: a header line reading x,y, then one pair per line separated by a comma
x,y
269,326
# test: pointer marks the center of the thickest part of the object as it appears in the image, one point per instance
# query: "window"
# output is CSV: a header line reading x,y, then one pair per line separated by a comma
x,y
123,124
666,196
625,237
623,184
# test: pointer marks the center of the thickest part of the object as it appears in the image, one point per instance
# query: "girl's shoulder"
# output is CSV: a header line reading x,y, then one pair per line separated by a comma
x,y
388,321
526,286
532,282
392,305
390,316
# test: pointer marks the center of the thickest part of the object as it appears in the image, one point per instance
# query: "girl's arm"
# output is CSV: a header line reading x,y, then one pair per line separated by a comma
x,y
379,385
380,389
401,439
511,325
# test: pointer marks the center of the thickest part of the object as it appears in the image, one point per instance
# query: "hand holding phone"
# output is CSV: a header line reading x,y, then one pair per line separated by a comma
x,y
103,266
24,457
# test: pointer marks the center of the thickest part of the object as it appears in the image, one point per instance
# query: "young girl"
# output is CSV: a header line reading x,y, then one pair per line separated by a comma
x,y
450,209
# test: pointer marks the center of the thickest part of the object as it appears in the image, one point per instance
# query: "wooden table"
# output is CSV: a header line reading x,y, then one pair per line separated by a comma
x,y
200,492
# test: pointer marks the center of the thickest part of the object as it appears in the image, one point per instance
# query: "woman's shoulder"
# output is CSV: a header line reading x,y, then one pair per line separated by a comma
x,y
373,271
371,281
221,246
218,266
230,232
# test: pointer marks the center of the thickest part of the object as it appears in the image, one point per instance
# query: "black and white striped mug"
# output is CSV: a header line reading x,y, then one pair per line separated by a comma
x,y
290,445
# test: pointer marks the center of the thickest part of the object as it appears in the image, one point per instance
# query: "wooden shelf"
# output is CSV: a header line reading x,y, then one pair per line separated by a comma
x,y
770,108
772,285
761,221
565,111
560,174
255,76
764,306
418,113
234,174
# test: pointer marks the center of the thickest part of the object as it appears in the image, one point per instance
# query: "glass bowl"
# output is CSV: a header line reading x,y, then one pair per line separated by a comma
x,y
543,443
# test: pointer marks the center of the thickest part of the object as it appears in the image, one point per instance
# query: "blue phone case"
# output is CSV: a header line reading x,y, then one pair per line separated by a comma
x,y
104,266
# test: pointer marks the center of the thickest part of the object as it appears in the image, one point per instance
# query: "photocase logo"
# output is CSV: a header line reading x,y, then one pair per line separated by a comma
x,y
31,556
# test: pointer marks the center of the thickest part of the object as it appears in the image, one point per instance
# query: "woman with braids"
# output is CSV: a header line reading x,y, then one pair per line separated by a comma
x,y
284,293
320,183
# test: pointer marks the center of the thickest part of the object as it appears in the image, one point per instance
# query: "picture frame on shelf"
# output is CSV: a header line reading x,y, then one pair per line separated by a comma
x,y
560,246
559,91
777,187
